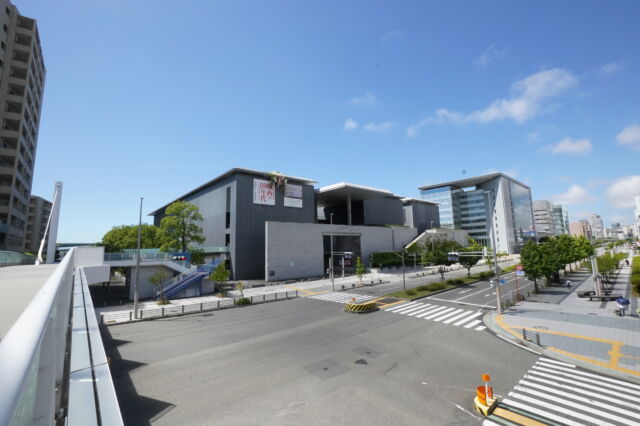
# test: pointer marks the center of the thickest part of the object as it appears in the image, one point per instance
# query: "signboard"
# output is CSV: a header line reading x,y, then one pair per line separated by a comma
x,y
519,273
264,192
293,196
518,267
502,282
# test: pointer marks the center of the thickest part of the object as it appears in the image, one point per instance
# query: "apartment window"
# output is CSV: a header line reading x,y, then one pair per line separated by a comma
x,y
227,240
5,28
3,45
7,10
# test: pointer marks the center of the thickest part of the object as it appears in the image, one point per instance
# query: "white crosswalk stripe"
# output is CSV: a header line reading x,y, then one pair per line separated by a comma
x,y
342,297
440,313
565,394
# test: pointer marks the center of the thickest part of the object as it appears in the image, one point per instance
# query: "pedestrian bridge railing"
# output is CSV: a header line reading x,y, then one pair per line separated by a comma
x,y
53,369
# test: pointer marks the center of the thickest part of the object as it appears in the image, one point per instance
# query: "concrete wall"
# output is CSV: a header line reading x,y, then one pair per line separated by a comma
x,y
295,250
419,215
383,211
145,290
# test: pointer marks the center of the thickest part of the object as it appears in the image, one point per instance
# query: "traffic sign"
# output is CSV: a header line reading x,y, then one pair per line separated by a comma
x,y
502,282
519,267
520,273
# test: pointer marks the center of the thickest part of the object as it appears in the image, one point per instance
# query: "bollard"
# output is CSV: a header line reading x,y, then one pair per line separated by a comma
x,y
130,315
484,401
264,297
183,309
218,304
101,319
163,312
200,306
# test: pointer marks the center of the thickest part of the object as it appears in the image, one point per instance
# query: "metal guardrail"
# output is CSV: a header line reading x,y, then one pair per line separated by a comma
x,y
531,336
8,258
169,311
148,256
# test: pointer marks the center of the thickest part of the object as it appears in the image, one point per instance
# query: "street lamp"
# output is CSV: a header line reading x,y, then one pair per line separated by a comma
x,y
495,253
333,286
135,284
404,281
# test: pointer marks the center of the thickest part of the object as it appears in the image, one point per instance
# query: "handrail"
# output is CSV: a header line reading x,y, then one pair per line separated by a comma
x,y
47,316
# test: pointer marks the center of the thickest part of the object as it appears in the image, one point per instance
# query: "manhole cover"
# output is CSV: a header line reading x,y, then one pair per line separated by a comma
x,y
326,368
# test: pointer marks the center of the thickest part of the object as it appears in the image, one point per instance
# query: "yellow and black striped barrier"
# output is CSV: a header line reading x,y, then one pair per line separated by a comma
x,y
360,308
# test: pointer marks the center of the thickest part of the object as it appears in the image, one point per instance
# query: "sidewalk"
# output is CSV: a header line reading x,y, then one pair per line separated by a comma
x,y
575,330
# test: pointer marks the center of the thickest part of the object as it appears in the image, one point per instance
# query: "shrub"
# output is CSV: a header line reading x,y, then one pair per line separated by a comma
x,y
458,281
451,281
243,301
434,287
385,259
423,288
411,292
635,274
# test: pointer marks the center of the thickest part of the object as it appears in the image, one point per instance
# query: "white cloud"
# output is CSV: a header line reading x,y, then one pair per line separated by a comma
x,y
574,195
622,191
350,124
570,146
368,100
490,55
630,136
612,68
380,127
526,100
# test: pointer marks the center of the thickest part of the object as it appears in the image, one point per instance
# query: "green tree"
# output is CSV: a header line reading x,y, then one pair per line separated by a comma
x,y
197,256
240,287
126,237
220,274
158,281
360,269
179,227
468,260
531,259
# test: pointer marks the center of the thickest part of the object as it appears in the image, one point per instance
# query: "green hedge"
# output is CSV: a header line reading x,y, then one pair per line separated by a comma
x,y
385,259
432,287
635,274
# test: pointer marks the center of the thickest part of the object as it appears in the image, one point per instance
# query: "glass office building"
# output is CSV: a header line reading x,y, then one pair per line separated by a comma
x,y
464,204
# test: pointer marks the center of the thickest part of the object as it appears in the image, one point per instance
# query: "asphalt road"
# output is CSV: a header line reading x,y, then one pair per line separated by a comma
x,y
302,362
483,293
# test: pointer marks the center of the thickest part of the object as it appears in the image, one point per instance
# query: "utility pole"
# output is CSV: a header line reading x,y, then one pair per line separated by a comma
x,y
135,284
333,286
495,254
404,281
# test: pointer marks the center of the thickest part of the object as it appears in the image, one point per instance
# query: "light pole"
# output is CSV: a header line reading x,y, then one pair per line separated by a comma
x,y
135,284
333,286
495,254
432,238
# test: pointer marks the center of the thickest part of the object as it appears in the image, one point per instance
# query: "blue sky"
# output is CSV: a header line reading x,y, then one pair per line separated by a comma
x,y
153,98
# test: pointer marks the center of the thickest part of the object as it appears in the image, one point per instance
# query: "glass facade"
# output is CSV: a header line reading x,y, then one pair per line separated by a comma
x,y
470,214
442,196
522,214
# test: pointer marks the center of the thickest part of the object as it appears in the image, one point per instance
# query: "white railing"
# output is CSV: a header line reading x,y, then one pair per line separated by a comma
x,y
37,374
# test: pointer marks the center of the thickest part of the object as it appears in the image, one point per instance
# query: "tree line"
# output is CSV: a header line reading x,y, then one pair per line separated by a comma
x,y
552,254
177,231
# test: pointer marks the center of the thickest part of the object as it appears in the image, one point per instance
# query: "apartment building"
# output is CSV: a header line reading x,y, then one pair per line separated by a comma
x,y
22,76
543,217
597,226
39,211
582,228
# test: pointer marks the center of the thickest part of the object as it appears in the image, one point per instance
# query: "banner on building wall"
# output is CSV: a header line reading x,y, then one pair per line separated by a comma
x,y
264,192
293,196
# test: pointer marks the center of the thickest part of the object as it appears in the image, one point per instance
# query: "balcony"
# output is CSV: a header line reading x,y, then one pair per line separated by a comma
x,y
25,23
21,56
23,39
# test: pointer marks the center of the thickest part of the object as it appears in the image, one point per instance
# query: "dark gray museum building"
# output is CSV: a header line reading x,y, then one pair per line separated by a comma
x,y
256,219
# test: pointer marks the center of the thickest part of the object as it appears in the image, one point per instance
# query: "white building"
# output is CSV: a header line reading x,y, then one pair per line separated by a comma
x,y
637,215
597,226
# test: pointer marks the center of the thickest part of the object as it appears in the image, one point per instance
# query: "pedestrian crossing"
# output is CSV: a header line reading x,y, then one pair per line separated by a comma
x,y
456,317
341,297
554,392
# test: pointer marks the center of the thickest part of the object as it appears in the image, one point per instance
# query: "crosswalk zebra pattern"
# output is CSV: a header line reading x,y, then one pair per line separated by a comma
x,y
342,297
442,314
554,392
